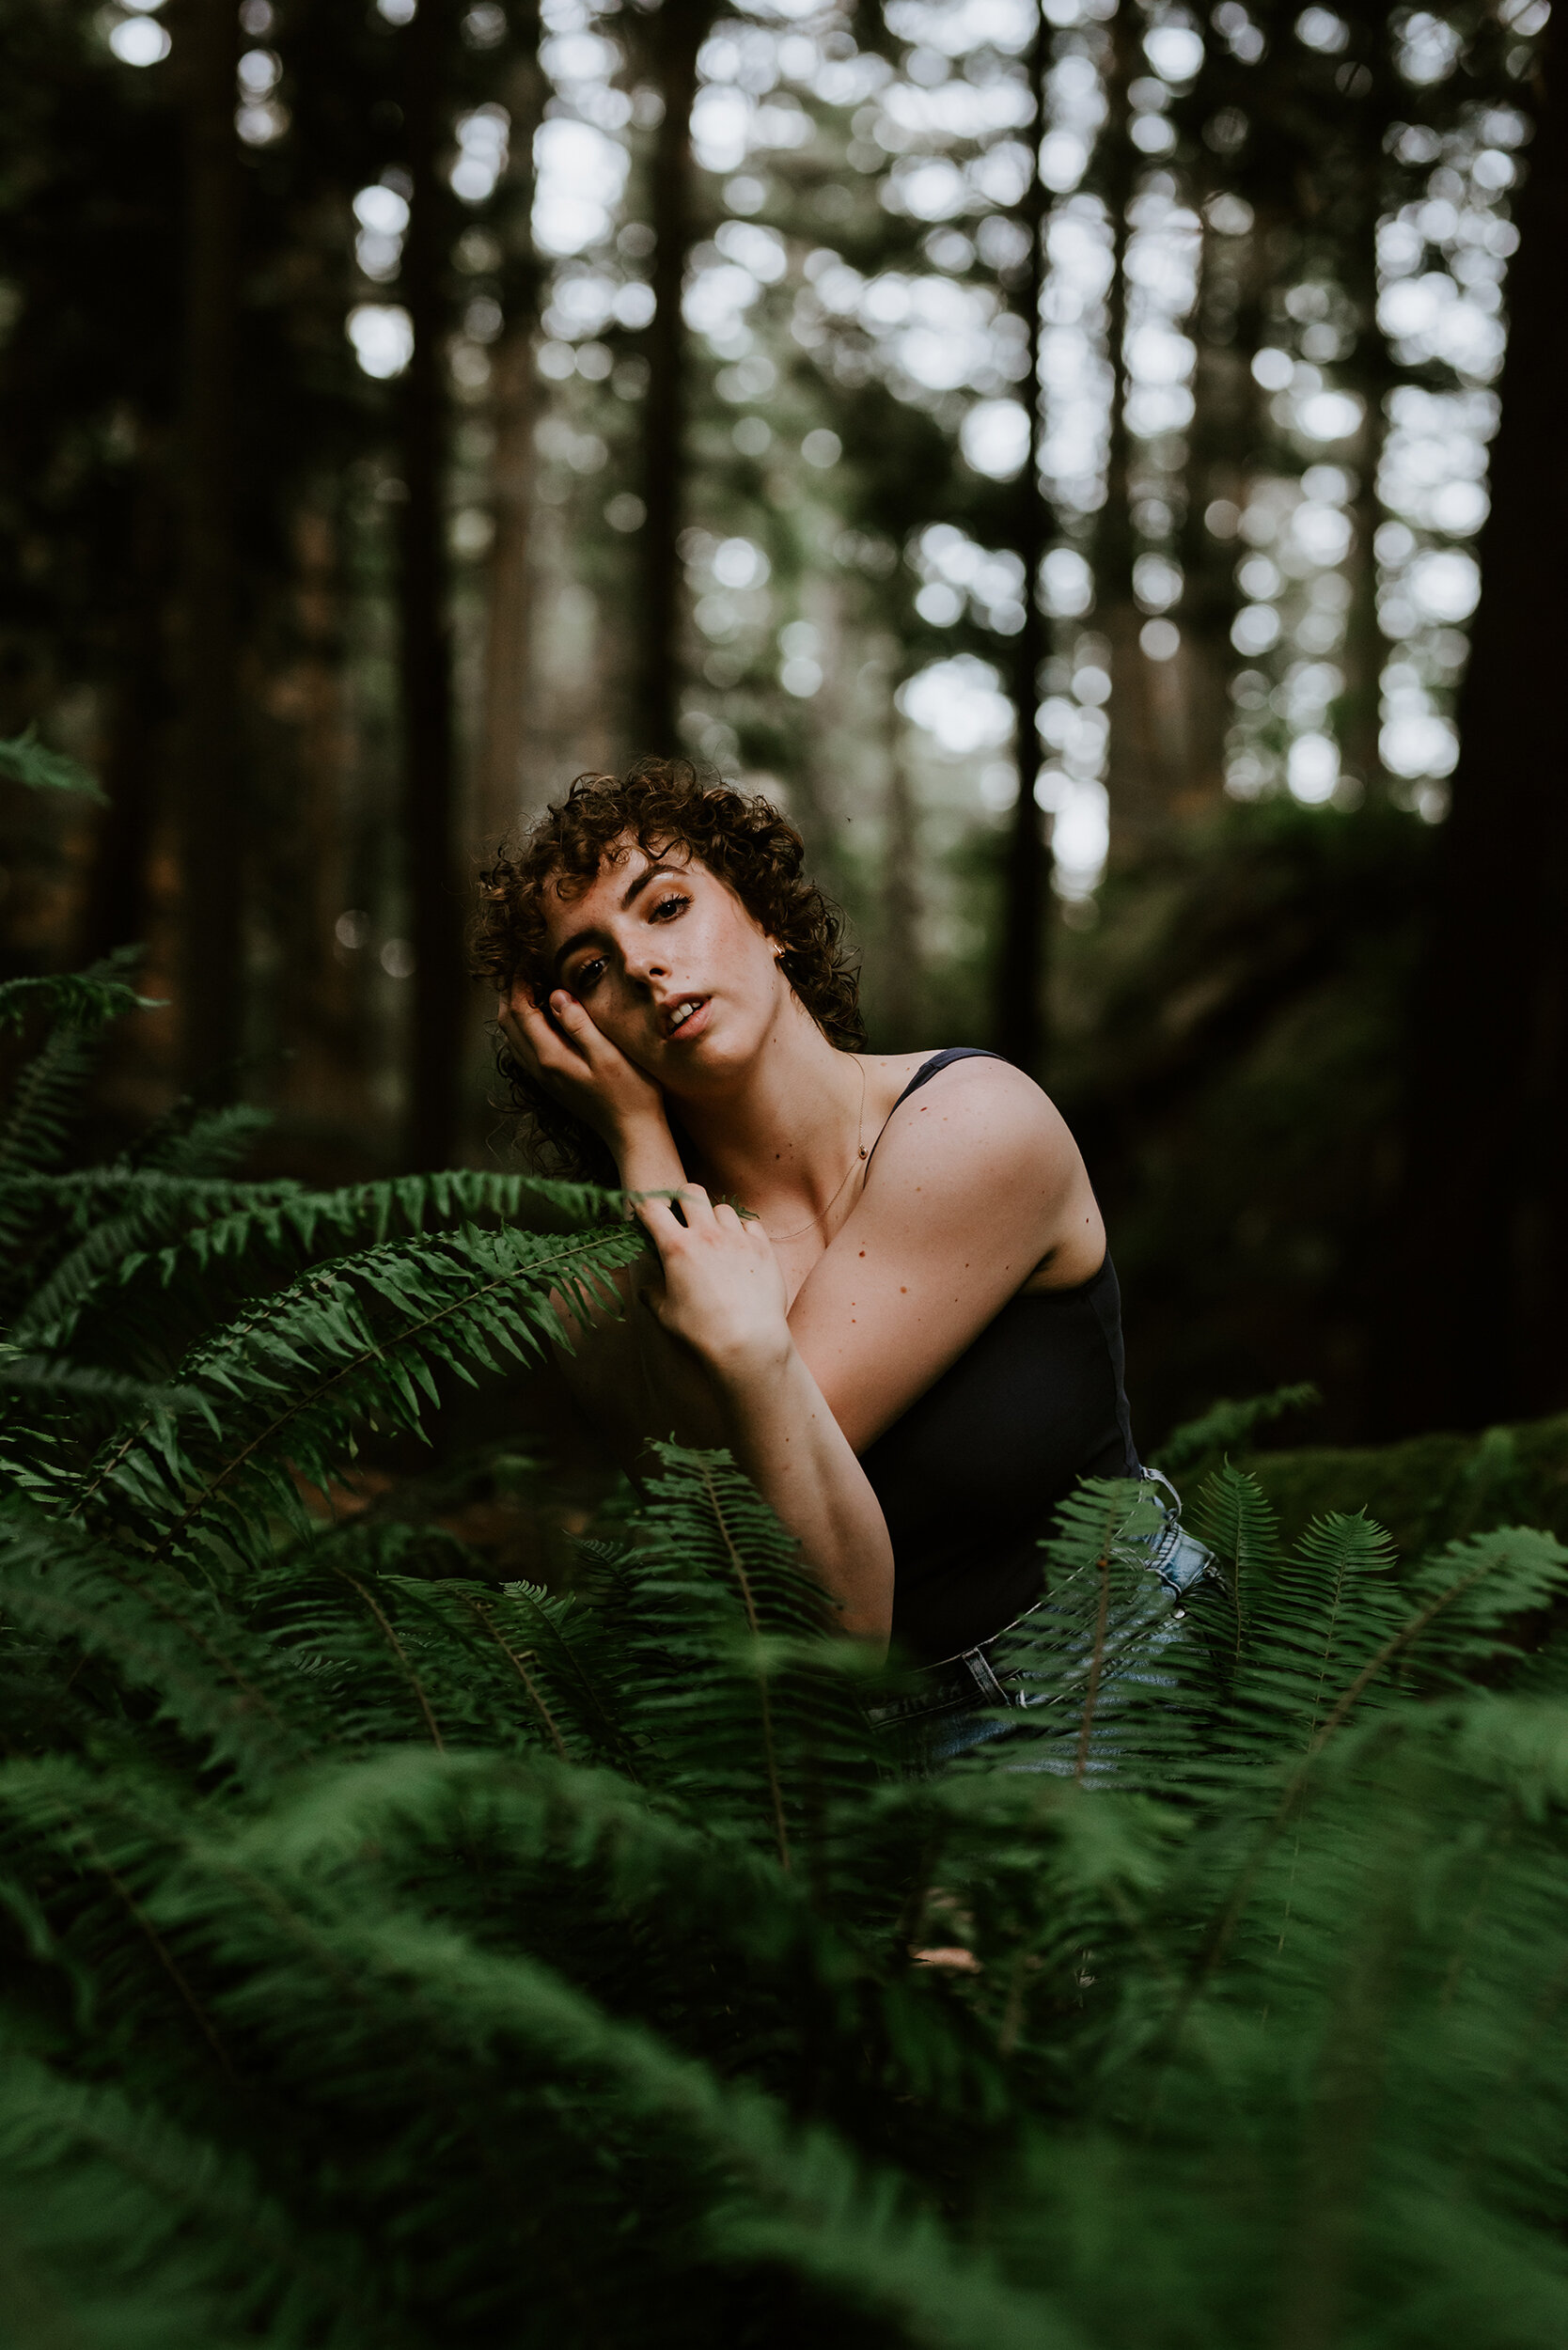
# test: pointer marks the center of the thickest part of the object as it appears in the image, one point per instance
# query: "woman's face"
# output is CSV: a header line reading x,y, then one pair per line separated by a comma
x,y
669,965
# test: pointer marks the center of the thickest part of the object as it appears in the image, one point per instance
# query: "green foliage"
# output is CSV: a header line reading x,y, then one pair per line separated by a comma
x,y
26,760
1429,1489
395,1957
1226,1424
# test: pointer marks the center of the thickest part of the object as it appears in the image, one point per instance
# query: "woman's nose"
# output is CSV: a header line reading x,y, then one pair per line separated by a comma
x,y
645,964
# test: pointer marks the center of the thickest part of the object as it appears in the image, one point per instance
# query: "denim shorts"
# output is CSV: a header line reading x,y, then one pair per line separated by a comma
x,y
949,1708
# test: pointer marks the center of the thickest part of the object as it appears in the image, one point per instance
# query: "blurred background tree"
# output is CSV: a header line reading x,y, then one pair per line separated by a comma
x,y
1066,453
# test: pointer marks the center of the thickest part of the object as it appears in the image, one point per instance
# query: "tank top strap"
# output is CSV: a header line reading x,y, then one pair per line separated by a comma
x,y
927,1070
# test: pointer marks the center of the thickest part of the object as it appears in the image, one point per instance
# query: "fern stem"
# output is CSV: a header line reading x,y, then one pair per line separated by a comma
x,y
775,1788
160,1952
398,1651
520,1666
1102,1617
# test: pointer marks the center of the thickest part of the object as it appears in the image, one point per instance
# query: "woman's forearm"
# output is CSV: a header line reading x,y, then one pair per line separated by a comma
x,y
647,1157
799,1459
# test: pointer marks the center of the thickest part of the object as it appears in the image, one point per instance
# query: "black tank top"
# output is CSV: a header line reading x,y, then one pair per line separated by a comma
x,y
969,1476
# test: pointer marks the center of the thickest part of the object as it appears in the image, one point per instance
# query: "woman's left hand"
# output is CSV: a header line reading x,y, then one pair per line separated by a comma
x,y
724,1295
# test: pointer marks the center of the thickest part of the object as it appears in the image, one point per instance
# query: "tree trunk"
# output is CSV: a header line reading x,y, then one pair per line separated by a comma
x,y
1223,392
515,409
116,912
1020,1023
211,825
1477,1302
902,994
508,617
1135,777
320,988
436,924
675,34
1361,161
1363,647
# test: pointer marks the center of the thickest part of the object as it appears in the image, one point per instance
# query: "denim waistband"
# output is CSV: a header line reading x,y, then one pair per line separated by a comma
x,y
969,1681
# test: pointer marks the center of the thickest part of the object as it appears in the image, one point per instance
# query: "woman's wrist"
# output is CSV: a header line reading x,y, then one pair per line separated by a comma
x,y
749,1365
646,1155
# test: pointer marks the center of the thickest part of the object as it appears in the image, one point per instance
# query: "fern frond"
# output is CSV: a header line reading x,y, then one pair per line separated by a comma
x,y
796,2197
1325,1612
133,2230
194,1142
26,760
239,1698
314,1224
77,998
237,1239
1233,1516
364,1342
1105,1671
760,1741
39,1122
121,1217
1477,1601
53,1375
566,1669
1227,1424
47,1096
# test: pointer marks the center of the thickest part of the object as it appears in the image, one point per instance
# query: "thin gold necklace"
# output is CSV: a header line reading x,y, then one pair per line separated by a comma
x,y
779,1238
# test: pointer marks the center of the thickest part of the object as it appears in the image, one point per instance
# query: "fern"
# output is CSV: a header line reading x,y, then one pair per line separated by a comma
x,y
26,760
1227,1424
361,1342
78,998
393,1957
192,1141
48,1094
104,1228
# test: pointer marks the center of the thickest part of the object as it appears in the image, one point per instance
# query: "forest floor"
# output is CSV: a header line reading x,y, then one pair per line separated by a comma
x,y
1426,1491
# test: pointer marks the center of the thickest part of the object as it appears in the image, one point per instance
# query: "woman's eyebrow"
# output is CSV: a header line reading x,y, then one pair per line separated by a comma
x,y
628,897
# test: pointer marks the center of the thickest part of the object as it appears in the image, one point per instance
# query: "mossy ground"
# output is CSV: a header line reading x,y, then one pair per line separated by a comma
x,y
1426,1491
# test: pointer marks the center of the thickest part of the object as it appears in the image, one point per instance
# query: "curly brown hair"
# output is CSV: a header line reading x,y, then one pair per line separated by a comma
x,y
660,804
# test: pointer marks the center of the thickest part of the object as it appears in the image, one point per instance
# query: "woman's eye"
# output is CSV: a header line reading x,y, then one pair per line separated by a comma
x,y
667,908
587,976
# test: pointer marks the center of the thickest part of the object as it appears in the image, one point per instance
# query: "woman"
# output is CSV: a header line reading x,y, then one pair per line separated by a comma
x,y
912,1340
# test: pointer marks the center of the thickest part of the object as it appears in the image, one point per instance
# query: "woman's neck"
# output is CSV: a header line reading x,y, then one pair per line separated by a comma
x,y
782,1137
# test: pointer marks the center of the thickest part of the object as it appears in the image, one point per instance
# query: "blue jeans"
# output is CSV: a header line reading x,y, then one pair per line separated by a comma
x,y
962,1702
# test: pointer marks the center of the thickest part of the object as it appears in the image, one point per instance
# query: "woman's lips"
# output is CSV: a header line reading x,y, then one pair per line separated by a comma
x,y
693,1023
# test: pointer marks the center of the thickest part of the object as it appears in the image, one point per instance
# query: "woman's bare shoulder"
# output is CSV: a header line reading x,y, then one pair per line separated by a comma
x,y
978,1102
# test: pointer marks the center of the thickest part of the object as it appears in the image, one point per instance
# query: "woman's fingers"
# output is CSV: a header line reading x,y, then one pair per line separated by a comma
x,y
523,1022
689,1213
546,1054
571,1015
656,1211
698,1213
